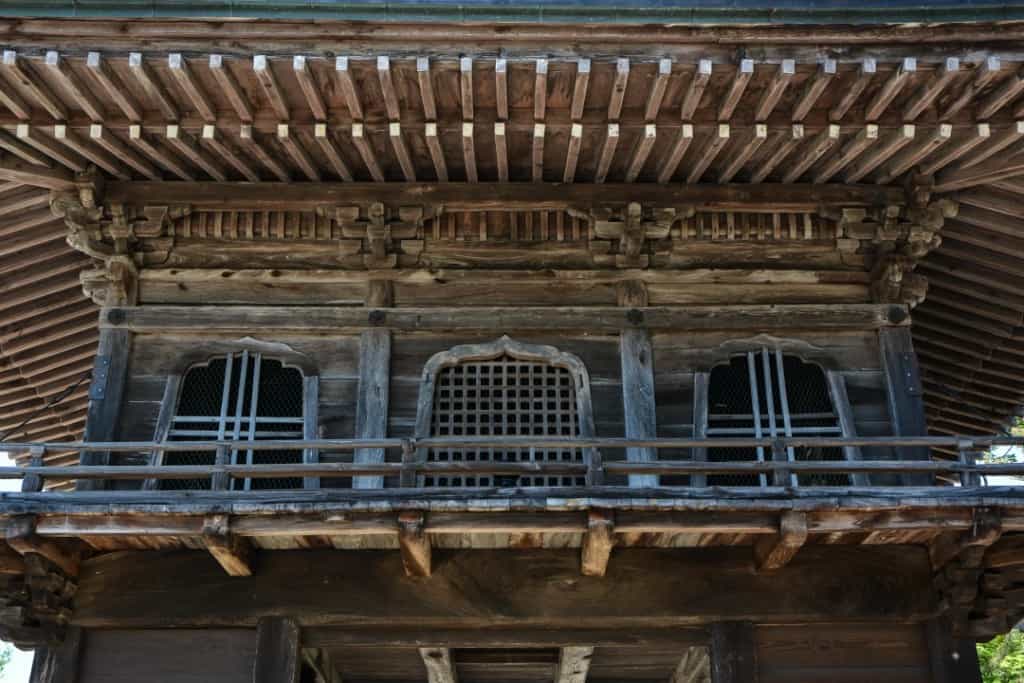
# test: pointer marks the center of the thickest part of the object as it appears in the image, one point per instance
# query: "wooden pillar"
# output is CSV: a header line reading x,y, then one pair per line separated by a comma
x,y
906,397
277,651
952,660
733,654
374,381
58,664
638,383
106,393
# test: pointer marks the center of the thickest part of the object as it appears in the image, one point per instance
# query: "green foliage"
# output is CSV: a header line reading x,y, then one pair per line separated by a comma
x,y
1002,658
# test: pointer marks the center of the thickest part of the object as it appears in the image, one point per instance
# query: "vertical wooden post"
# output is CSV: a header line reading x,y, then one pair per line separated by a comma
x,y
374,381
58,664
34,482
638,383
106,392
221,481
906,397
952,660
277,651
733,653
700,424
310,425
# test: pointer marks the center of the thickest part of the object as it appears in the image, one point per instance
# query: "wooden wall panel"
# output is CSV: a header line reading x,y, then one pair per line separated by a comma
x,y
895,653
169,656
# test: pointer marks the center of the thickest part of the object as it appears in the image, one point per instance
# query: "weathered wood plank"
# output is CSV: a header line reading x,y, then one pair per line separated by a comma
x,y
598,542
775,551
106,394
733,653
573,664
439,665
277,651
58,663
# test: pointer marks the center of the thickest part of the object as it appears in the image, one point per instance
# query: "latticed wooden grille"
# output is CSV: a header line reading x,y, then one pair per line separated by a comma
x,y
505,396
768,394
238,397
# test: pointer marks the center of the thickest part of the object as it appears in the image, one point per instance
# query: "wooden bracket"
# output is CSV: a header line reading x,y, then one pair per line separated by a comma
x,y
776,550
598,542
439,665
413,543
380,228
22,537
633,227
986,530
230,551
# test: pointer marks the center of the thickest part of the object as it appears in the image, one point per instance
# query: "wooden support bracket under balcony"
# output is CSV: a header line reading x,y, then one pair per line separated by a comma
x,y
22,538
775,551
986,530
598,542
413,543
233,553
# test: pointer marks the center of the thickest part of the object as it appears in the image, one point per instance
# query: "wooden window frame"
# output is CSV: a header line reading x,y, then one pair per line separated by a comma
x,y
505,346
172,396
836,385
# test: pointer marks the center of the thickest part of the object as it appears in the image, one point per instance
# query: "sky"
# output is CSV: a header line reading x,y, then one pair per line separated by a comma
x,y
21,662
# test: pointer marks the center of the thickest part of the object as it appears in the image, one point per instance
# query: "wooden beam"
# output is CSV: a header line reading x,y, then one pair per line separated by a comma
x,y
714,145
775,551
775,89
540,89
786,146
387,88
864,138
695,91
229,86
401,151
231,552
426,89
579,90
675,156
17,70
743,153
913,155
880,153
114,87
437,152
984,73
1003,94
744,72
890,89
694,666
573,664
987,529
822,143
604,163
359,139
59,153
466,87
187,147
469,152
656,94
10,99
813,90
619,85
152,86
865,74
329,148
310,89
993,170
598,542
733,653
154,151
414,544
1010,135
501,151
347,86
261,66
22,538
500,88
58,662
97,156
212,139
26,153
641,152
372,391
497,196
537,153
982,132
278,657
73,85
904,393
572,153
926,94
252,146
122,152
182,73
637,360
439,665
293,146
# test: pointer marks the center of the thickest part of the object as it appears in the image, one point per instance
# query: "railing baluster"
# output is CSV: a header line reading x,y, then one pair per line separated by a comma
x,y
780,453
968,457
221,481
33,483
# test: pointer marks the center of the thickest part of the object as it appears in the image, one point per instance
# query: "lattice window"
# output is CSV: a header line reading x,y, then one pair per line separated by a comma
x,y
504,389
238,397
767,394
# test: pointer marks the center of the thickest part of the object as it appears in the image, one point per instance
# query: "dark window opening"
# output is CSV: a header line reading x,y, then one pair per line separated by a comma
x,y
768,394
238,397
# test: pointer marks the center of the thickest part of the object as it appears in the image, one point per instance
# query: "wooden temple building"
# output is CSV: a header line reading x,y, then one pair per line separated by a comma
x,y
531,342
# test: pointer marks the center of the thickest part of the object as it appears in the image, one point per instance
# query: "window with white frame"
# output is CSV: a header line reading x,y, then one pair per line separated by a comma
x,y
238,397
504,388
766,393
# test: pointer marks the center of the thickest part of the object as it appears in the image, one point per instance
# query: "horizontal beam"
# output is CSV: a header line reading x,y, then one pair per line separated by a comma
x,y
280,319
500,196
525,589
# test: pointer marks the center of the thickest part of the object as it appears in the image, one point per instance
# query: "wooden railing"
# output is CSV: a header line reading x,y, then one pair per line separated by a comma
x,y
775,461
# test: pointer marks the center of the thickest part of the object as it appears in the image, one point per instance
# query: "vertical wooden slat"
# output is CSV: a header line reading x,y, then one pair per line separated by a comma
x,y
733,655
